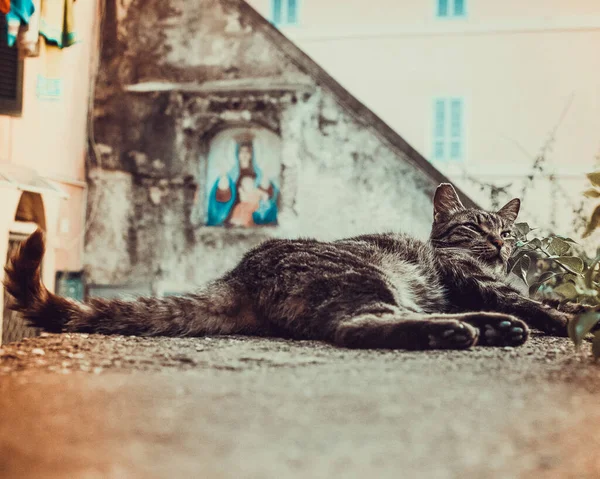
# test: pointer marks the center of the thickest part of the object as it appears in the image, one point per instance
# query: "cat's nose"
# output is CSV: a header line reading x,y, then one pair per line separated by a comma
x,y
497,242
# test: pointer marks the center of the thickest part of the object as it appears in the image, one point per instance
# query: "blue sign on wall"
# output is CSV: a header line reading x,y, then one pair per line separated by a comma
x,y
50,89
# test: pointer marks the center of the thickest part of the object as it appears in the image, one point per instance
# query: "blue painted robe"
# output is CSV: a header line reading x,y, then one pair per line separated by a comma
x,y
218,211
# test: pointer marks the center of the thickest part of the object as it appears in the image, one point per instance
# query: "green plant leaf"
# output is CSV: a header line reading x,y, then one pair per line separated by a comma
x,y
567,277
567,239
548,275
521,230
534,288
558,247
589,274
572,263
566,290
544,277
581,325
591,193
594,178
515,261
524,268
587,294
593,223
596,345
529,245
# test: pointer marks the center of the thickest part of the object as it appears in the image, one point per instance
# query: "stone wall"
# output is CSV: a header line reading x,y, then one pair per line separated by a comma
x,y
173,75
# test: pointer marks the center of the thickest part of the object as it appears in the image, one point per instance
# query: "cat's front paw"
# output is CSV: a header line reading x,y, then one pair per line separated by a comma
x,y
451,334
502,330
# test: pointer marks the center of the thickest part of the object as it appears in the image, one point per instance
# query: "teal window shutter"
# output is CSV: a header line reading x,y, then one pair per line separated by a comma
x,y
450,8
276,11
456,128
459,8
439,130
448,129
442,10
292,12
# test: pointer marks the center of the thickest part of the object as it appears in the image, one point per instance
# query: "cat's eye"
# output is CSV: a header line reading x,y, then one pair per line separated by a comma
x,y
505,234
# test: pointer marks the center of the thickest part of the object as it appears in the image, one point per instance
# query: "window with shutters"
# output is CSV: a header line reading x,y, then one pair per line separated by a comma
x,y
448,129
11,76
284,12
451,8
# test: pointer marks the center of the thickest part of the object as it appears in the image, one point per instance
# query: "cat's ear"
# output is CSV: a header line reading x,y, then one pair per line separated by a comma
x,y
445,201
510,210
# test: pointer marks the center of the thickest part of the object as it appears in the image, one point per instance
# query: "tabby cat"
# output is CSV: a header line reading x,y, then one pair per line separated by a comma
x,y
371,291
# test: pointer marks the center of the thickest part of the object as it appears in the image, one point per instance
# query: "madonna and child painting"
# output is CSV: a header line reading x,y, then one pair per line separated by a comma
x,y
243,179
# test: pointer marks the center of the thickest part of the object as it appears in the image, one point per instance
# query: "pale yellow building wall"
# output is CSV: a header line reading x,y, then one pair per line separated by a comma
x,y
524,70
50,136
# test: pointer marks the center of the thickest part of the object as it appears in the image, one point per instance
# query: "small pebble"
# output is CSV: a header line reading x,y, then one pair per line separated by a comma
x,y
38,351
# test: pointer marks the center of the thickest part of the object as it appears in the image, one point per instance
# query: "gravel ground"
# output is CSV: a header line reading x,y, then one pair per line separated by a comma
x,y
86,406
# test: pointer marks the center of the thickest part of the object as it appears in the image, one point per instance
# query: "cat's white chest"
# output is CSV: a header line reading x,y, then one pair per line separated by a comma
x,y
404,278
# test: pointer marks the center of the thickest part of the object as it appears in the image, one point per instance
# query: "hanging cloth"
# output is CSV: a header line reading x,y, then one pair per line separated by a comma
x,y
57,22
29,40
19,14
4,6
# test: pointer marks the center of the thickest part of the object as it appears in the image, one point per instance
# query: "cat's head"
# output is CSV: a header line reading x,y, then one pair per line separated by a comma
x,y
483,234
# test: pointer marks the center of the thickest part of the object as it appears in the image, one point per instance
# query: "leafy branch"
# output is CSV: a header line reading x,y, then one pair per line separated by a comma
x,y
593,192
557,266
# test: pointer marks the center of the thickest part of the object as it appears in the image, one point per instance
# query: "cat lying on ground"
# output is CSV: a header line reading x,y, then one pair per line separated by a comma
x,y
371,291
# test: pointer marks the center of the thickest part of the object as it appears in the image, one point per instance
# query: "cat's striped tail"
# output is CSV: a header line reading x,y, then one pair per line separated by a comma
x,y
214,310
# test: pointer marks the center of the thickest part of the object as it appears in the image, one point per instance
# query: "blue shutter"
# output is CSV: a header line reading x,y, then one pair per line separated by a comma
x,y
456,129
442,8
439,130
459,8
276,11
292,12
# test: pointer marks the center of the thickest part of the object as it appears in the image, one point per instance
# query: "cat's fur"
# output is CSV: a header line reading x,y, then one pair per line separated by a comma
x,y
372,291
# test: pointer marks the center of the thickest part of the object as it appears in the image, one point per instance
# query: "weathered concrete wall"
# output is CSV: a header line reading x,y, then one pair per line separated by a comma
x,y
175,73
